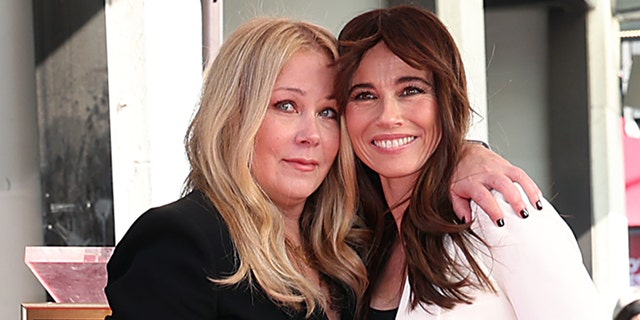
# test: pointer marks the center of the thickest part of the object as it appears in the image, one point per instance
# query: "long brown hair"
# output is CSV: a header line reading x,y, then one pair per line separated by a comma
x,y
220,147
429,225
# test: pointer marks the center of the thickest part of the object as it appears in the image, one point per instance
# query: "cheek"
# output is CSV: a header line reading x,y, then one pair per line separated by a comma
x,y
434,127
357,123
267,141
354,121
357,144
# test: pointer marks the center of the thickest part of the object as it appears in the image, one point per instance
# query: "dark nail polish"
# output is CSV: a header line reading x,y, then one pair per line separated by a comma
x,y
463,220
524,213
500,222
539,205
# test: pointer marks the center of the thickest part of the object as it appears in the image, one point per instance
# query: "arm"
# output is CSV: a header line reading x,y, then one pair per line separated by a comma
x,y
479,171
538,265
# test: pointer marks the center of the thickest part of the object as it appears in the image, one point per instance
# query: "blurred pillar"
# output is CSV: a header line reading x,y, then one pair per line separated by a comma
x,y
465,20
154,52
609,238
211,28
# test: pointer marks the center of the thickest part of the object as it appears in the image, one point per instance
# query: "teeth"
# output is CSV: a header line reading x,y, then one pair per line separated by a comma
x,y
388,144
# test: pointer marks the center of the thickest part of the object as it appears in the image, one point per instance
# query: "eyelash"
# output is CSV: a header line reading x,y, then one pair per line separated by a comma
x,y
281,106
415,90
333,111
367,95
363,95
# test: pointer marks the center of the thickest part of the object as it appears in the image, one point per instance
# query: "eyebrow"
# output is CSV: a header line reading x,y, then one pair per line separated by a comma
x,y
299,91
411,78
292,89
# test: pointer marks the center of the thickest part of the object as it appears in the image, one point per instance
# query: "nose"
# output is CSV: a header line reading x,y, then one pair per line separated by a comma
x,y
308,131
390,113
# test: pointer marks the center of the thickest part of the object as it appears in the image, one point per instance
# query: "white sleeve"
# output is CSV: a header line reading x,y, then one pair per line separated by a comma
x,y
538,265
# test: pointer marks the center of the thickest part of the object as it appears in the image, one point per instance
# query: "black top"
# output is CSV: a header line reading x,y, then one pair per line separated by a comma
x,y
160,269
382,314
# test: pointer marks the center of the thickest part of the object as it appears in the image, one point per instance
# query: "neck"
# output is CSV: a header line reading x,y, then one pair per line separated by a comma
x,y
292,226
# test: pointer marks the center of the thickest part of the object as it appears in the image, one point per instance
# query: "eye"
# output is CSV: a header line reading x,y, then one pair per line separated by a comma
x,y
412,90
330,113
364,95
285,105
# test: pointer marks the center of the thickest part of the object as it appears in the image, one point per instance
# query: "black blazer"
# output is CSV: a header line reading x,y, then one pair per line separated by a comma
x,y
160,269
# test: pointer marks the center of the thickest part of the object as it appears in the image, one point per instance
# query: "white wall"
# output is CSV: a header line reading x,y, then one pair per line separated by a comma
x,y
20,212
516,89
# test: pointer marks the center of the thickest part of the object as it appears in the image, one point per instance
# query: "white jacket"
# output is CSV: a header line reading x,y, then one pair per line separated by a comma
x,y
536,267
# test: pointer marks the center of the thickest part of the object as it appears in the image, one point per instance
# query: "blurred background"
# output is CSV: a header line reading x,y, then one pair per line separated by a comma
x,y
96,95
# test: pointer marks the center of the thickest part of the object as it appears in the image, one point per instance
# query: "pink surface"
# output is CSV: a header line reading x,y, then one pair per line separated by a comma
x,y
632,178
71,274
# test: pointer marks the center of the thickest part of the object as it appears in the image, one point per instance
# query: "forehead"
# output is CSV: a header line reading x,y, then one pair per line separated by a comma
x,y
380,62
307,65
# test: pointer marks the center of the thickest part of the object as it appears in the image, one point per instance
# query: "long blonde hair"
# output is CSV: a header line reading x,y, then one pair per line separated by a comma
x,y
220,145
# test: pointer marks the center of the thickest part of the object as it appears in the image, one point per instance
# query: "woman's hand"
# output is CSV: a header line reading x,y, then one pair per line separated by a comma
x,y
481,170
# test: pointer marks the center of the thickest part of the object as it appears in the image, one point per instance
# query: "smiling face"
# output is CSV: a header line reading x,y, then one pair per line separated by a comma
x,y
392,116
300,136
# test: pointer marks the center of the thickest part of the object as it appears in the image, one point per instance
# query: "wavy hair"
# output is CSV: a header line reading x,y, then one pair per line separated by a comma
x,y
220,145
429,224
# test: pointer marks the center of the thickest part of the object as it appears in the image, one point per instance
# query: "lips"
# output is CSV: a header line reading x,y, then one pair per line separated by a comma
x,y
302,164
393,143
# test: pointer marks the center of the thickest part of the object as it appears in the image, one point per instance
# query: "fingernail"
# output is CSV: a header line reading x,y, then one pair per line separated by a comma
x,y
500,222
539,205
524,213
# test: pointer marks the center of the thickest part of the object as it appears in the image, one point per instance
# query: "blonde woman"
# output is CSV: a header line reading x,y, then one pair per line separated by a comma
x,y
264,230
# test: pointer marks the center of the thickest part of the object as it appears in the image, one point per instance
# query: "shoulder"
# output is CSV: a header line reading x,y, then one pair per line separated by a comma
x,y
192,211
544,238
519,231
193,215
190,222
537,261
